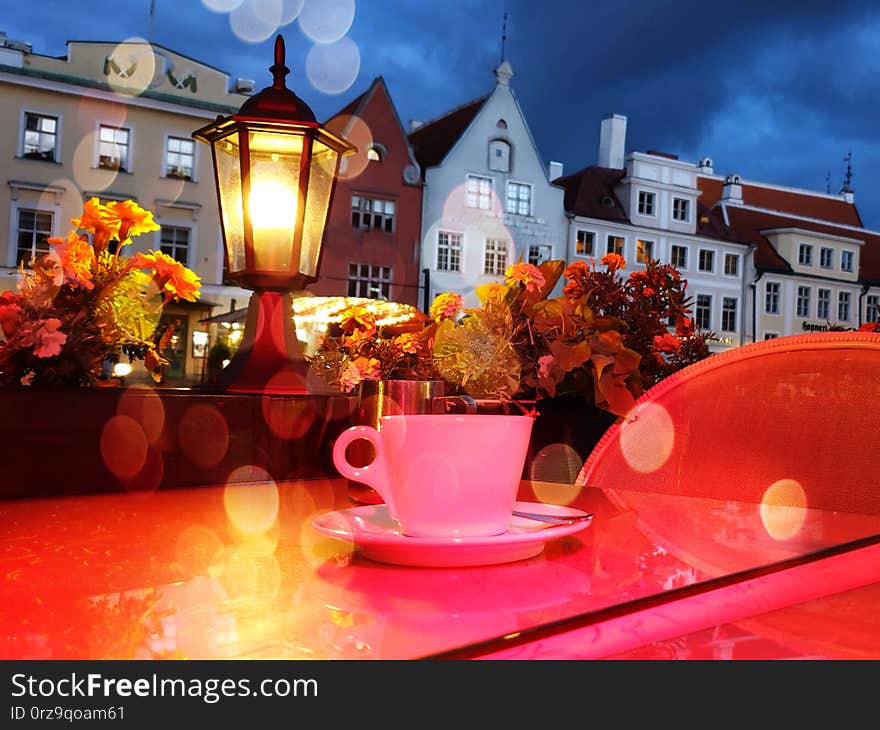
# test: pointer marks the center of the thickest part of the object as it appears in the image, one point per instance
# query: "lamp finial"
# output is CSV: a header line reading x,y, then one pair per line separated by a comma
x,y
279,70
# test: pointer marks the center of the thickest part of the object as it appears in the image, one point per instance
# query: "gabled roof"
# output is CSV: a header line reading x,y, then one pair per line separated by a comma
x,y
432,141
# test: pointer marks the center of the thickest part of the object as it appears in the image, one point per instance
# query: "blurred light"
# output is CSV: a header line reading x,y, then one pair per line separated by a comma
x,y
290,9
646,441
255,20
332,68
326,21
136,64
221,6
783,509
123,446
121,369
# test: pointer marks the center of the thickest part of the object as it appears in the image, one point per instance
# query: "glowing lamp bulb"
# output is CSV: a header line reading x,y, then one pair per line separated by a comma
x,y
272,206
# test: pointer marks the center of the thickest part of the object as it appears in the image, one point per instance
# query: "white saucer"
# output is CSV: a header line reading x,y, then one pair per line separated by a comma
x,y
379,538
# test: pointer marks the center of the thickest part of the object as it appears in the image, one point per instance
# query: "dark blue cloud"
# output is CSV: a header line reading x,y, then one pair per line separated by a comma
x,y
775,91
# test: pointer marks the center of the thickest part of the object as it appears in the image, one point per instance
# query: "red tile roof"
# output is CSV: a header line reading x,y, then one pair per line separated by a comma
x,y
433,140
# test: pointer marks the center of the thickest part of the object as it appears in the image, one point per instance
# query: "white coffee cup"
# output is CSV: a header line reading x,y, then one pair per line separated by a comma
x,y
443,475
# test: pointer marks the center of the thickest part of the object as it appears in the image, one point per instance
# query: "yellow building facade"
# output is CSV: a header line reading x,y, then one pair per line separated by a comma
x,y
114,121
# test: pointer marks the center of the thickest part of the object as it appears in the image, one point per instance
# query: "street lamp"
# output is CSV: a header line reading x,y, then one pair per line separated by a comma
x,y
275,169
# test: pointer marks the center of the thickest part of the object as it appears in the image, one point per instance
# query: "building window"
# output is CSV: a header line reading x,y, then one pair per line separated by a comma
x,y
367,280
678,256
770,335
113,148
175,243
40,137
681,209
644,251
479,192
823,304
846,260
448,251
872,302
707,260
32,233
805,254
826,256
803,301
728,314
771,297
843,306
499,155
495,257
646,202
519,198
367,213
615,244
731,264
180,158
585,244
538,254
703,311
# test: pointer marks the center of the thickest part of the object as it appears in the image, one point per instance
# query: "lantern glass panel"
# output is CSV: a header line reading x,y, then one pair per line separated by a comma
x,y
272,203
323,171
226,152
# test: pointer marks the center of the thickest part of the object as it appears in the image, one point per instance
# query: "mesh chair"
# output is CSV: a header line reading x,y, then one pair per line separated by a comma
x,y
799,414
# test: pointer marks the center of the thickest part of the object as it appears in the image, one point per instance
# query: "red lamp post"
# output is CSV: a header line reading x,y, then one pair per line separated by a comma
x,y
275,169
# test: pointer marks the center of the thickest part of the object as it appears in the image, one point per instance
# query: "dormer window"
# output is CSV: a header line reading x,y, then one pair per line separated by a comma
x,y
501,124
376,152
646,202
499,156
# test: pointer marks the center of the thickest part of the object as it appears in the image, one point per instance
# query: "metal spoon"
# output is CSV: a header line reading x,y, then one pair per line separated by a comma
x,y
553,519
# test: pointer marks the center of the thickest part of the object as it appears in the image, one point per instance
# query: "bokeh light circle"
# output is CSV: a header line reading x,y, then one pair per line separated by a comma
x,y
289,419
88,175
783,509
647,441
222,6
290,10
326,21
255,20
132,65
195,548
251,507
357,132
46,200
203,435
145,406
149,478
123,446
332,68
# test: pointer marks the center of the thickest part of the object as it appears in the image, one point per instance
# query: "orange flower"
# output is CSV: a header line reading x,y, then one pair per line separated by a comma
x,y
132,219
97,220
10,313
613,261
359,369
77,258
169,275
667,342
446,306
408,342
526,274
48,340
358,318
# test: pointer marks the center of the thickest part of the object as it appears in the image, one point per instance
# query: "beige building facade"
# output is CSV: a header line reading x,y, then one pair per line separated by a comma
x,y
115,121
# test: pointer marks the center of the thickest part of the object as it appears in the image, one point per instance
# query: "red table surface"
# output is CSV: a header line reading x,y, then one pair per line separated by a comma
x,y
204,573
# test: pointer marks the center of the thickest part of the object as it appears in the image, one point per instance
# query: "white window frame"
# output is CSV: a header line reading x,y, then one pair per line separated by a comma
x,y
517,200
698,307
711,254
377,281
726,312
823,302
168,137
803,305
731,257
871,302
366,208
191,243
647,203
776,296
539,253
844,306
97,156
826,253
455,246
676,210
616,250
652,245
496,253
592,251
479,193
17,205
847,261
683,248
58,130
805,254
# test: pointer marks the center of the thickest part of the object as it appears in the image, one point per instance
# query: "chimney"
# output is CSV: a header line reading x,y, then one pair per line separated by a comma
x,y
555,170
414,124
612,139
732,192
705,165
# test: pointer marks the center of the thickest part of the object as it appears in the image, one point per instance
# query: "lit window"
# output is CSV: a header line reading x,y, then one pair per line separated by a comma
x,y
846,260
584,245
615,244
175,243
113,148
495,259
40,137
731,264
843,299
728,314
681,209
646,203
703,311
823,304
707,260
519,198
803,301
644,251
370,281
32,234
373,153
538,254
479,192
771,297
180,158
678,256
367,213
448,251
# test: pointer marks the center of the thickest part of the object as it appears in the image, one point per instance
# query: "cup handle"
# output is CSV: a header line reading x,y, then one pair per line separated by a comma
x,y
374,474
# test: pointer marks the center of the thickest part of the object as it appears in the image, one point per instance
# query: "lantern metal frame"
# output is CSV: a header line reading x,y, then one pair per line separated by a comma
x,y
270,358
